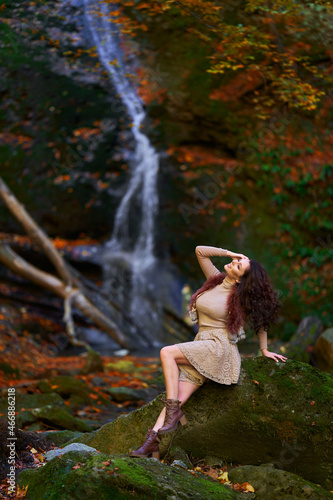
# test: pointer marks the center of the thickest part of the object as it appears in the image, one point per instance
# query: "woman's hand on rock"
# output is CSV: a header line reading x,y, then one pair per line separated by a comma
x,y
273,355
234,255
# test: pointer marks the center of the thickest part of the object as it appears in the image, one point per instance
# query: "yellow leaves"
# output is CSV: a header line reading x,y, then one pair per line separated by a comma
x,y
21,492
223,477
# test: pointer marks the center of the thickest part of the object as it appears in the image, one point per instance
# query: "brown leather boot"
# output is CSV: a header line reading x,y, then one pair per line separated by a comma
x,y
172,416
149,447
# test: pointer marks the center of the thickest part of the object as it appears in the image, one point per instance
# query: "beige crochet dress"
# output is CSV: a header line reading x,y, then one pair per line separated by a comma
x,y
211,354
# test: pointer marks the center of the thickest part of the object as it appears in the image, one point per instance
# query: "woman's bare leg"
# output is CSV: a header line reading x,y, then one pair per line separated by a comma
x,y
171,357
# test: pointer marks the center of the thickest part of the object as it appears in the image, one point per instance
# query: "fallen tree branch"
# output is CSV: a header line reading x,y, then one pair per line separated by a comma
x,y
36,234
20,266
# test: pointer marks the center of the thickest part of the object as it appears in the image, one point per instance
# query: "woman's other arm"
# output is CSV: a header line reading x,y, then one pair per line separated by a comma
x,y
262,334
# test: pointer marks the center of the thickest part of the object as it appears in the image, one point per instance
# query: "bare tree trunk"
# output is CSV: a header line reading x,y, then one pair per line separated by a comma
x,y
18,265
36,234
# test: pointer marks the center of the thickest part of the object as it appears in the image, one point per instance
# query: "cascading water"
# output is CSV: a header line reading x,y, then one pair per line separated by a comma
x,y
129,261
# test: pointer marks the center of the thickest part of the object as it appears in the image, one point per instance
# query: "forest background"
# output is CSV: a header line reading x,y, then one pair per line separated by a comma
x,y
239,102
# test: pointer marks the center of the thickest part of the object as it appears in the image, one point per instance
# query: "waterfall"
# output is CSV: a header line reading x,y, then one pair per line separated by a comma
x,y
129,263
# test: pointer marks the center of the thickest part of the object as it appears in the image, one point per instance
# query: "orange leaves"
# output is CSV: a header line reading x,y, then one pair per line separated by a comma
x,y
13,139
86,132
61,178
244,487
77,466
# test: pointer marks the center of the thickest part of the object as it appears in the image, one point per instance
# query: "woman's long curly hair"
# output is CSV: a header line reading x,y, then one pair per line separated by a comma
x,y
253,300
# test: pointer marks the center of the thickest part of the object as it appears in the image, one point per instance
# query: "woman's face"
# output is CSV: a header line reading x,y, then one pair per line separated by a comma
x,y
236,268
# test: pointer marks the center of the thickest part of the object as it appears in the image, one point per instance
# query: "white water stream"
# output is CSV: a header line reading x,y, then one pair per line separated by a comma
x,y
129,261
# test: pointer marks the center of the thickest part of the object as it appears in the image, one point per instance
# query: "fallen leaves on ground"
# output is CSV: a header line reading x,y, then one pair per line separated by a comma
x,y
221,475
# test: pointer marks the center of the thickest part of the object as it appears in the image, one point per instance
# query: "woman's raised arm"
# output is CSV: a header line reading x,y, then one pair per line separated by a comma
x,y
203,253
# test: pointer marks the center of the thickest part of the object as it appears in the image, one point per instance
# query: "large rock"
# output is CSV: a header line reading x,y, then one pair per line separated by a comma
x,y
323,350
98,476
300,346
270,483
279,412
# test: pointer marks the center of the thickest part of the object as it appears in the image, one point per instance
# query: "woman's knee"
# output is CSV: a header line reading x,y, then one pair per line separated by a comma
x,y
166,352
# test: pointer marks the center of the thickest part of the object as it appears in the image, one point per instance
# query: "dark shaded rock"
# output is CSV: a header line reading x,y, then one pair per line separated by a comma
x,y
120,479
60,437
285,417
93,363
98,381
9,371
299,346
213,461
323,350
121,394
60,418
270,483
23,440
177,453
76,402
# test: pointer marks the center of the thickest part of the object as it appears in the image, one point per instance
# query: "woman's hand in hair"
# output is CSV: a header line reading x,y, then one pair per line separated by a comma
x,y
273,355
234,255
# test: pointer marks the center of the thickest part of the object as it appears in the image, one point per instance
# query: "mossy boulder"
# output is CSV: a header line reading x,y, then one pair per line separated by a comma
x,y
270,483
66,386
60,418
93,364
118,478
279,412
47,408
25,404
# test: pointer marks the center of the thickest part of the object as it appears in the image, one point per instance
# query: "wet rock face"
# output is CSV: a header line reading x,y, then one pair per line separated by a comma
x,y
278,412
323,350
109,478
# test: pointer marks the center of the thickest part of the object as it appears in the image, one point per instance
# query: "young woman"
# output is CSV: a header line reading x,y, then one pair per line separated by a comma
x,y
243,293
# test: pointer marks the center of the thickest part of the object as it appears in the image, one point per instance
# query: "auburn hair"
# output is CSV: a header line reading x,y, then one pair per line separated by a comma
x,y
252,301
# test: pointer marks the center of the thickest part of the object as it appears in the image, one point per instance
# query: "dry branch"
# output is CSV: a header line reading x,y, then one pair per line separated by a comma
x,y
36,234
20,266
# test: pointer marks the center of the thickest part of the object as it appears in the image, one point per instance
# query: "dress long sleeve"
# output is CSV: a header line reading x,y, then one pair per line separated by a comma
x,y
203,253
262,334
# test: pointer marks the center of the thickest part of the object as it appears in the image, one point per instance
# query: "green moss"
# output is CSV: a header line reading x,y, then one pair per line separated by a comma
x,y
108,477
